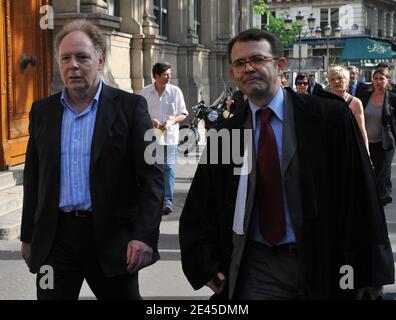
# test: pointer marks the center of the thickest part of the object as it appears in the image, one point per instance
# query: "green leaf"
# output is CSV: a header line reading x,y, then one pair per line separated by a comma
x,y
276,25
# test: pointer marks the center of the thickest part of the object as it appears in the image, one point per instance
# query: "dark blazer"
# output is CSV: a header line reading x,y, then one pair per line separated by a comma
x,y
316,90
361,89
126,193
388,117
333,200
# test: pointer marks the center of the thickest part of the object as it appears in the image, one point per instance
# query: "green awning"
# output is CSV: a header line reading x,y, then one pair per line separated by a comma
x,y
357,49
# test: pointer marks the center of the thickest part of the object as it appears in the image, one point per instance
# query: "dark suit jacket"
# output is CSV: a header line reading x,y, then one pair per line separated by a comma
x,y
388,118
361,89
126,193
316,90
334,204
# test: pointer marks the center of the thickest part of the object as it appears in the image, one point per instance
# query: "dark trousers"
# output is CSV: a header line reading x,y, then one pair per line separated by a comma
x,y
268,274
74,258
382,162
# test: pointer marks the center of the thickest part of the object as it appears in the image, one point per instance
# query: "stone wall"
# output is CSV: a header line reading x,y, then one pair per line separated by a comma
x,y
199,66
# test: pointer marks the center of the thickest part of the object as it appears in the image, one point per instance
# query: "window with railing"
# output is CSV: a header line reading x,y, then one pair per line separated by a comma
x,y
161,16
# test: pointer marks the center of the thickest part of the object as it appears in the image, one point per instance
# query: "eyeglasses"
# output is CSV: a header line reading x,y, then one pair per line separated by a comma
x,y
255,61
302,83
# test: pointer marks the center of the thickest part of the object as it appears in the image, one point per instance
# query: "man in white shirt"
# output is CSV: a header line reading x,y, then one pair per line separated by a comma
x,y
167,108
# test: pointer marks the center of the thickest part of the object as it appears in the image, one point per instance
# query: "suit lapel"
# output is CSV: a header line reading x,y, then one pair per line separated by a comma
x,y
290,164
289,143
107,111
55,130
251,185
386,111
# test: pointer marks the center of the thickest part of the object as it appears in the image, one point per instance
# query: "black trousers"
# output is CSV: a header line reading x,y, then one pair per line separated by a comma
x,y
74,258
268,273
382,162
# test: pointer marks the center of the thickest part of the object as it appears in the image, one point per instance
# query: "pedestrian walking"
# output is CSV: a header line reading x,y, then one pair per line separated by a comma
x,y
339,81
167,109
307,208
92,206
301,83
379,111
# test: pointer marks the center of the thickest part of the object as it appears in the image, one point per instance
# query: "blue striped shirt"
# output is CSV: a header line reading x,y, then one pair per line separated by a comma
x,y
76,140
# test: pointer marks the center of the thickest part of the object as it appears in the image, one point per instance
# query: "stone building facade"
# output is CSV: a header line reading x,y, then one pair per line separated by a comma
x,y
191,35
366,22
376,18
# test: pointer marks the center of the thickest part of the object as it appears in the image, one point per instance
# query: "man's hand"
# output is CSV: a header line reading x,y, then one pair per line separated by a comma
x,y
372,292
218,283
155,123
167,124
26,252
139,255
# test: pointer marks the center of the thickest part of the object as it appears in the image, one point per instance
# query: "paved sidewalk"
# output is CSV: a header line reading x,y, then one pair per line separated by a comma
x,y
164,279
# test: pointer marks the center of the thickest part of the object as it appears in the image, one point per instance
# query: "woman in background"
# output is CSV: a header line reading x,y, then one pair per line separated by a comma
x,y
339,81
301,83
379,109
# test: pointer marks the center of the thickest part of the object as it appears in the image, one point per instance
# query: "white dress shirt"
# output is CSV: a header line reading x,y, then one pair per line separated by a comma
x,y
165,107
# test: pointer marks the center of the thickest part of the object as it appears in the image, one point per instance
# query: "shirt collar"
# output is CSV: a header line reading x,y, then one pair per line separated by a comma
x,y
276,105
66,102
167,88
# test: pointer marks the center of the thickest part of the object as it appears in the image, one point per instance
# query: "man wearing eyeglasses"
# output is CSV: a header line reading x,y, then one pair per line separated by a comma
x,y
306,211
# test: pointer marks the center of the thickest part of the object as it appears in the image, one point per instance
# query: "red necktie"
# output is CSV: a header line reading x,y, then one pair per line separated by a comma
x,y
269,183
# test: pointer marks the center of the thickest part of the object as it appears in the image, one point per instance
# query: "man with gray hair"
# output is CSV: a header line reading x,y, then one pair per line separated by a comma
x,y
356,87
92,205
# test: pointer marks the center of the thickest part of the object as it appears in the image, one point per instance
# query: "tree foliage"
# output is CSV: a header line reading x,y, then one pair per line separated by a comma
x,y
276,25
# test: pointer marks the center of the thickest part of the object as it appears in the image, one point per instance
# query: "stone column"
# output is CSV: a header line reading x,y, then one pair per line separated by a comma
x,y
131,13
150,26
246,15
66,6
374,19
192,71
93,6
391,21
137,63
382,21
209,23
119,60
178,15
192,36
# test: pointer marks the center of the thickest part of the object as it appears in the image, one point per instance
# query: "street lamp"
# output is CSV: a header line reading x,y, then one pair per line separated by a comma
x,y
300,23
327,32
